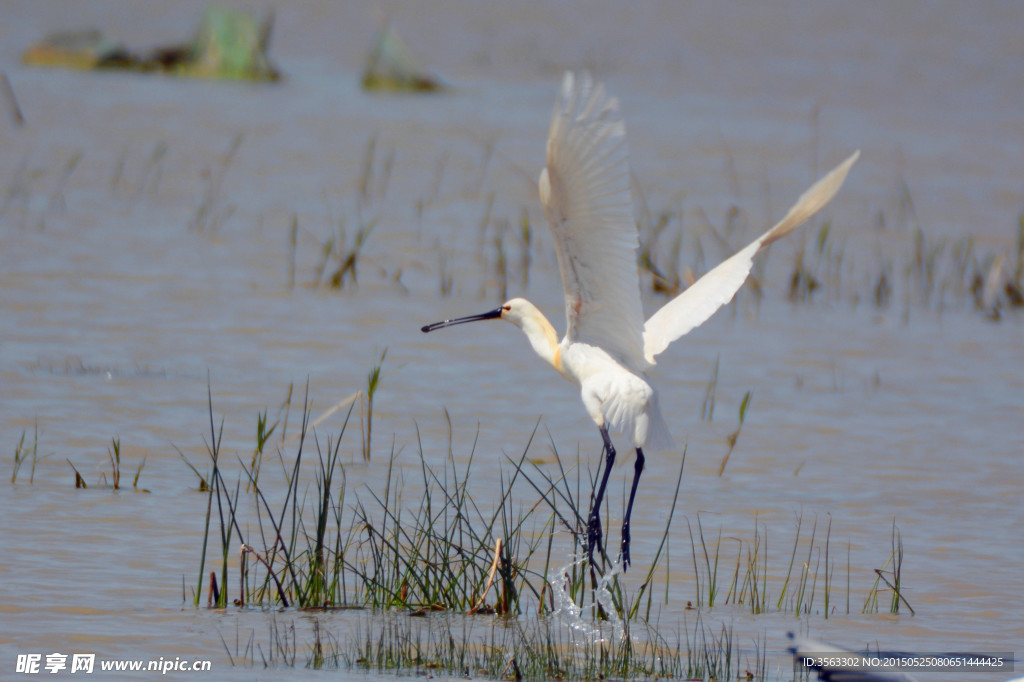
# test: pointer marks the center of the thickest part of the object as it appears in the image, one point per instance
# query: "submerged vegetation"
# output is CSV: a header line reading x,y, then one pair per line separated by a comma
x,y
23,452
910,268
897,264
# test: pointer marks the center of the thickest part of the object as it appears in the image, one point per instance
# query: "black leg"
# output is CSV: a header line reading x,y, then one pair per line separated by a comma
x,y
594,523
638,469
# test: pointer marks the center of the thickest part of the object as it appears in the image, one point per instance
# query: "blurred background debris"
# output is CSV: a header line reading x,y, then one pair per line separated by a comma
x,y
229,44
393,66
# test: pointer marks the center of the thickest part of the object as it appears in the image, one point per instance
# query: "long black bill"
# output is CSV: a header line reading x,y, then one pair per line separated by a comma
x,y
490,315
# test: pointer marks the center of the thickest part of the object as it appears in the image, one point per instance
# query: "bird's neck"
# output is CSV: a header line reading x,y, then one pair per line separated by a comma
x,y
544,339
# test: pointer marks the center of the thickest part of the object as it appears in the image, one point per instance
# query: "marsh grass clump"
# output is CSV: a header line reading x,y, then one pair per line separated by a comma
x,y
23,452
802,282
212,211
344,256
804,587
657,261
825,273
342,250
113,482
316,551
323,546
997,280
504,248
447,552
115,464
910,268
925,272
451,582
28,182
114,455
892,584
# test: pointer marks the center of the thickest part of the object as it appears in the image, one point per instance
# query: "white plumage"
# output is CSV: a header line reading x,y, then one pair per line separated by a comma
x,y
607,348
585,191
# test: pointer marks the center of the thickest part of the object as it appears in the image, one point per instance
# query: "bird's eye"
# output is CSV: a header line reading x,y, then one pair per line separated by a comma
x,y
507,308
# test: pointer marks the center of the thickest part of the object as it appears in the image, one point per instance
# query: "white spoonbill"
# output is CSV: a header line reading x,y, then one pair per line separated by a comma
x,y
607,348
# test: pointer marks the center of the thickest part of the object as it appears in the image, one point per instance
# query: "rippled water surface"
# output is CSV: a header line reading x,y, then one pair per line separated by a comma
x,y
142,263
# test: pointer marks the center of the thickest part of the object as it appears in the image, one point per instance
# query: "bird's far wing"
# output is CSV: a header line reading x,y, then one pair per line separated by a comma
x,y
585,190
717,287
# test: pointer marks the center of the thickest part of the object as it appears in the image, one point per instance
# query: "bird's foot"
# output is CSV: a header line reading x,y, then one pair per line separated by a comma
x,y
594,536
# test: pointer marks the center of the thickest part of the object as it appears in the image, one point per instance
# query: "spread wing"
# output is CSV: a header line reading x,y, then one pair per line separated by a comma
x,y
585,190
716,288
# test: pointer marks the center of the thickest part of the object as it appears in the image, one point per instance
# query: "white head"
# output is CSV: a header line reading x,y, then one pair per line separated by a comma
x,y
515,310
522,314
519,311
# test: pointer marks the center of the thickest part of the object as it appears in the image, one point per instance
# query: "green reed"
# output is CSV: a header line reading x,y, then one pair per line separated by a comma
x,y
212,211
23,452
806,585
113,481
372,384
326,547
893,583
430,559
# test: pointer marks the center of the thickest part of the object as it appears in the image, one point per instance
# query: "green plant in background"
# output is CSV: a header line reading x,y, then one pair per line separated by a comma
x,y
666,278
79,480
894,583
735,434
414,547
204,480
22,453
262,435
114,480
526,249
212,212
372,384
707,408
347,257
115,464
217,490
750,586
135,479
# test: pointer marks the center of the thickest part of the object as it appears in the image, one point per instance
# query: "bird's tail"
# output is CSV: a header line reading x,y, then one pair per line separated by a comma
x,y
642,424
628,406
658,435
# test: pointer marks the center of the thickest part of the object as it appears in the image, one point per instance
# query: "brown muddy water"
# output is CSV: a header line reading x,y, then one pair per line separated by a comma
x,y
141,261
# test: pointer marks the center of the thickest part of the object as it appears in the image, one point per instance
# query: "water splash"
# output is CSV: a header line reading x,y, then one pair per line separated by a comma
x,y
569,613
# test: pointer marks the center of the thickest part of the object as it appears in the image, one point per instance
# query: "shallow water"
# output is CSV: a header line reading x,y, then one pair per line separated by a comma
x,y
117,309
